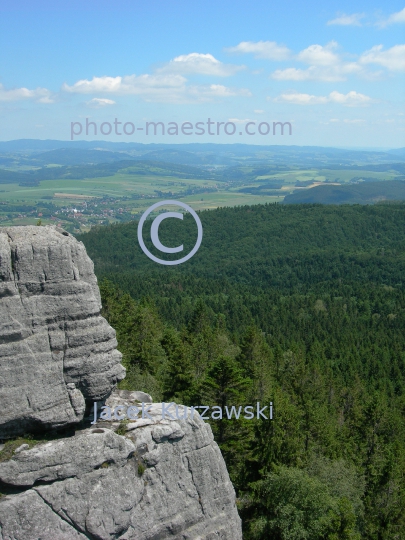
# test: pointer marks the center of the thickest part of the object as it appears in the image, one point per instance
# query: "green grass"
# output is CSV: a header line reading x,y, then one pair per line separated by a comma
x,y
10,446
32,440
122,428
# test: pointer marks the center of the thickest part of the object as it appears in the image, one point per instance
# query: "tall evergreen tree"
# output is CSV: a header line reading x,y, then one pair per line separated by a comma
x,y
256,360
178,381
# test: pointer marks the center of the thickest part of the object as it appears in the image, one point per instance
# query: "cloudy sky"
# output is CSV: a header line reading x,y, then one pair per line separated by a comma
x,y
334,70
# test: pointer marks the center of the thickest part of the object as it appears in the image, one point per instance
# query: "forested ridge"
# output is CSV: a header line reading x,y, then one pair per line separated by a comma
x,y
302,306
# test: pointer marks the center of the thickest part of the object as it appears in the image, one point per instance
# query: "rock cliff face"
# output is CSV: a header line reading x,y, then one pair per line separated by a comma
x,y
56,351
162,479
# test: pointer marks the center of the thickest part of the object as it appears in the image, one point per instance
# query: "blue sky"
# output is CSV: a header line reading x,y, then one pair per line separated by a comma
x,y
334,71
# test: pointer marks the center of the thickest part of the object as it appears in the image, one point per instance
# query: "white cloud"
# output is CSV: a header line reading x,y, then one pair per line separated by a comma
x,y
162,88
318,73
392,59
41,95
203,64
220,90
351,99
258,111
100,102
325,64
292,74
165,88
207,93
398,17
167,84
239,120
262,49
129,84
318,55
347,20
301,99
353,121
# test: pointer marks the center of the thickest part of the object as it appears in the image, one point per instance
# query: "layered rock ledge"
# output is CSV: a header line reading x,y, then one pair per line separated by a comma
x,y
56,351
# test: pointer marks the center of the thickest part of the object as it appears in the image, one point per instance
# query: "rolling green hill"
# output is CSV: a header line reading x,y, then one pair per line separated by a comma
x,y
99,170
362,193
284,246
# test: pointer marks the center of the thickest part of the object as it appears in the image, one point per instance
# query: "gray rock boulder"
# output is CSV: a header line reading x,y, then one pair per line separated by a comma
x,y
56,351
65,458
166,480
127,398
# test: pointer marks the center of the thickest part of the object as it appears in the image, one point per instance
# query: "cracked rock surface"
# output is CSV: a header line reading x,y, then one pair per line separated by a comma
x,y
165,480
56,351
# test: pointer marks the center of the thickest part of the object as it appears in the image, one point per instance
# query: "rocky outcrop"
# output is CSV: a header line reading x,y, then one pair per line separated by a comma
x,y
56,351
164,480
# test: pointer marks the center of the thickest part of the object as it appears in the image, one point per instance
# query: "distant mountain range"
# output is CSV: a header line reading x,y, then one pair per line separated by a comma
x,y
77,156
43,152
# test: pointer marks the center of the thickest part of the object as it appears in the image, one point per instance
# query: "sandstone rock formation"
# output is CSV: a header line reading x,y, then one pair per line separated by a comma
x,y
56,351
165,480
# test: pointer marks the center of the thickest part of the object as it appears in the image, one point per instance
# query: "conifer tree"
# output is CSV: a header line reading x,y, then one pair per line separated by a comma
x,y
178,382
256,360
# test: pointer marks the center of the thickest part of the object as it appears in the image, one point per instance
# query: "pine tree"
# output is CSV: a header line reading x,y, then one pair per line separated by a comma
x,y
178,382
224,387
256,361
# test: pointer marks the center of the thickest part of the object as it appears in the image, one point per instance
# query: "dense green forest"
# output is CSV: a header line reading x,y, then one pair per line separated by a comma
x,y
302,306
